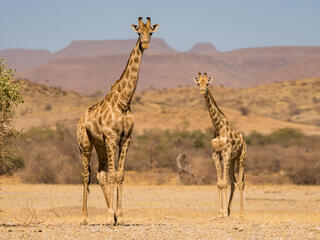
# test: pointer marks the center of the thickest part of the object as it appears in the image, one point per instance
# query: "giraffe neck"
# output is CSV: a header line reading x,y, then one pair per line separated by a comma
x,y
217,116
126,85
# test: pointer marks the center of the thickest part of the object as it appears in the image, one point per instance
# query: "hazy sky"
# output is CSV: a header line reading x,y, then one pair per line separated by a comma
x,y
53,24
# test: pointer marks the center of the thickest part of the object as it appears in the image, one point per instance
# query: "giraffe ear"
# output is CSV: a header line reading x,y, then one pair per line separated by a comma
x,y
195,80
209,80
155,28
134,28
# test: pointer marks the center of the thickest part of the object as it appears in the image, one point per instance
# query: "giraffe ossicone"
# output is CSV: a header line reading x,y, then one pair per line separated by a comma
x,y
228,149
107,125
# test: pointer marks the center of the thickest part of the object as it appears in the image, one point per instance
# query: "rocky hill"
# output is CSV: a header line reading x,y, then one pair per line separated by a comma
x,y
265,108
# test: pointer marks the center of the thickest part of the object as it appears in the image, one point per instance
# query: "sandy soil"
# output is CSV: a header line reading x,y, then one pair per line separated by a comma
x,y
159,212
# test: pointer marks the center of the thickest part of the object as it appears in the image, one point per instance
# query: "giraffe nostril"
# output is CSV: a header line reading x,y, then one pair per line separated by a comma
x,y
145,45
202,91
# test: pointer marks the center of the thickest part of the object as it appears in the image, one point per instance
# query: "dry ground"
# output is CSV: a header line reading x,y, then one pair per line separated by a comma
x,y
159,212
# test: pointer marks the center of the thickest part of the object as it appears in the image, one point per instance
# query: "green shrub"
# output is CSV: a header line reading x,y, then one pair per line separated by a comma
x,y
159,148
287,150
51,155
9,98
284,136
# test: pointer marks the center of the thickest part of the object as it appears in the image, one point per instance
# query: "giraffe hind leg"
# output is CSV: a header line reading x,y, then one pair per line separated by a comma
x,y
120,177
102,177
241,177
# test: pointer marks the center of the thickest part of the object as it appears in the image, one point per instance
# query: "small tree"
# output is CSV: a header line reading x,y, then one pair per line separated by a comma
x,y
9,97
244,110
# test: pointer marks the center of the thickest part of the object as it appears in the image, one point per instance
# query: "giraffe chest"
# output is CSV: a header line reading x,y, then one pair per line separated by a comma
x,y
223,145
116,123
119,123
228,142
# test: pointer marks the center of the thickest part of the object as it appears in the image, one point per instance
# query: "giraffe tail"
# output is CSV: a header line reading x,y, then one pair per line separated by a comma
x,y
89,180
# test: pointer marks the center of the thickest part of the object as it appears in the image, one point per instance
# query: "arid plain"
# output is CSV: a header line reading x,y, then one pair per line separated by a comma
x,y
159,212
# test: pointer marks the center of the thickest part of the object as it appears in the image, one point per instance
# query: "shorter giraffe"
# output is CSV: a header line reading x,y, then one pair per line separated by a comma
x,y
228,149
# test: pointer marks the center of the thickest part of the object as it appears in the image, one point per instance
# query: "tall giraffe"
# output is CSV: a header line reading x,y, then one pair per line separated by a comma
x,y
108,125
228,147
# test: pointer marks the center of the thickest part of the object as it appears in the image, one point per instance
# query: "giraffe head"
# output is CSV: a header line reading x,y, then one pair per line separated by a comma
x,y
203,82
145,31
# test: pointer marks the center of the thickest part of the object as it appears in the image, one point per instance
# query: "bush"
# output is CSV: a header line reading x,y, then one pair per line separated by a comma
x,y
284,137
96,94
9,97
305,175
287,150
51,156
158,148
264,159
244,110
48,107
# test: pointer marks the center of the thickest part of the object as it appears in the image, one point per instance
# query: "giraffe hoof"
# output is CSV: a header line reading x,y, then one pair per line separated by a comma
x,y
84,221
118,217
111,219
119,221
221,214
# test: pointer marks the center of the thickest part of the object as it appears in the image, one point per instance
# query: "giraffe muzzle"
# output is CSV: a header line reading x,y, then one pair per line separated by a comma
x,y
202,91
145,45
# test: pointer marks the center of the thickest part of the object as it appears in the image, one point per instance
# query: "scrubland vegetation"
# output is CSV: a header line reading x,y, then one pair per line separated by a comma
x,y
50,155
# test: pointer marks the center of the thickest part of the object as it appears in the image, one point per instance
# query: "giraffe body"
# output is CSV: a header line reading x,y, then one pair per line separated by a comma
x,y
107,126
228,149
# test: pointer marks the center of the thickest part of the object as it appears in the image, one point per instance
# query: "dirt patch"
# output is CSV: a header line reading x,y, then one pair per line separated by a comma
x,y
160,212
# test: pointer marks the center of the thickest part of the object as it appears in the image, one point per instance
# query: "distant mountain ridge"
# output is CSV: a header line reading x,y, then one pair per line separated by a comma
x,y
86,66
109,47
203,48
23,59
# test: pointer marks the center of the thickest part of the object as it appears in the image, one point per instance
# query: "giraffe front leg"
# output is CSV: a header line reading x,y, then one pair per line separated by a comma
x,y
216,159
111,177
226,165
120,177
